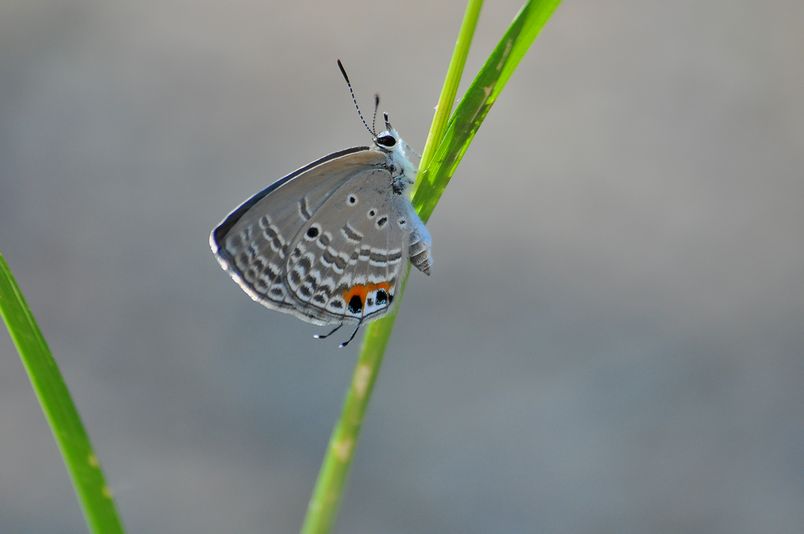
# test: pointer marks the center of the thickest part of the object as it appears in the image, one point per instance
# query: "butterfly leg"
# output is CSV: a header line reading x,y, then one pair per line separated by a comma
x,y
324,336
354,332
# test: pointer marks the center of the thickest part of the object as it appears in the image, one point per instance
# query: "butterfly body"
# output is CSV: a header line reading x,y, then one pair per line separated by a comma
x,y
328,243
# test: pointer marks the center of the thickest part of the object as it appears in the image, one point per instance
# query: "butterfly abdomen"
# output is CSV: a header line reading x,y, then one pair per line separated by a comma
x,y
420,249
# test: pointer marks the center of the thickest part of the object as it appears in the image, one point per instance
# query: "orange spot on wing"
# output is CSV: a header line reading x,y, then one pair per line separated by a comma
x,y
362,290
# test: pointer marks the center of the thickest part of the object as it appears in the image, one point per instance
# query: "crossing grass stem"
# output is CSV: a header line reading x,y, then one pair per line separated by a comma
x,y
449,137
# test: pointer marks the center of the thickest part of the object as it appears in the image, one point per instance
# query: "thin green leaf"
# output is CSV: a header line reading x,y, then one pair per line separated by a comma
x,y
451,81
328,492
57,405
476,103
446,145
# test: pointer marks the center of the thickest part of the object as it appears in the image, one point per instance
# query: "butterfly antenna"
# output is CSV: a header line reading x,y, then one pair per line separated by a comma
x,y
374,117
324,336
354,99
387,122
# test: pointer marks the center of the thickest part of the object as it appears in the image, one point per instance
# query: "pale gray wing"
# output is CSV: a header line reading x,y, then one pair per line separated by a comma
x,y
347,261
252,243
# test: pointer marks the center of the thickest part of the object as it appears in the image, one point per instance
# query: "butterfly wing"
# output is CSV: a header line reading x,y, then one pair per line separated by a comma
x,y
253,242
347,260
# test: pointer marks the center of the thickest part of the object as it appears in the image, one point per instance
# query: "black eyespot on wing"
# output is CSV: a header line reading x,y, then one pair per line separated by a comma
x,y
382,297
355,304
351,199
381,221
386,141
312,232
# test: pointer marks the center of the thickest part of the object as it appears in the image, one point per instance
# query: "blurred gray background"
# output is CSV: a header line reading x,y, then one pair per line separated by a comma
x,y
612,338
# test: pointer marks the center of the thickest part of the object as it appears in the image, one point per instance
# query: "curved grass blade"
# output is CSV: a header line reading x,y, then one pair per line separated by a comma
x,y
476,103
326,499
57,405
451,81
460,131
447,143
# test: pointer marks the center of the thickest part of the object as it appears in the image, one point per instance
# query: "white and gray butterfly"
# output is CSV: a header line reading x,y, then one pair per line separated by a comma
x,y
328,243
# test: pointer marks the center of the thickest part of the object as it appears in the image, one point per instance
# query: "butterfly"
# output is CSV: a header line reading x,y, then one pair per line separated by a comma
x,y
329,242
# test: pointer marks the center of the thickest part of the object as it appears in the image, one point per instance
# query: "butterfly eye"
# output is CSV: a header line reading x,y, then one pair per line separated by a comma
x,y
386,141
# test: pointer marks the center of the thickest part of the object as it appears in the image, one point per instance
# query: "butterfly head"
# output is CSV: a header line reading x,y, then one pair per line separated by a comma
x,y
398,151
387,141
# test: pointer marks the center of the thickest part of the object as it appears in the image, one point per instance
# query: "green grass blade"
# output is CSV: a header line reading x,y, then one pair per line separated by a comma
x,y
447,142
328,492
325,502
57,405
476,103
451,81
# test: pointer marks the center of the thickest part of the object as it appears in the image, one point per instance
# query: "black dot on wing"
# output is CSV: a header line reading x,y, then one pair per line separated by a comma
x,y
351,199
355,304
382,297
312,232
402,223
381,221
371,213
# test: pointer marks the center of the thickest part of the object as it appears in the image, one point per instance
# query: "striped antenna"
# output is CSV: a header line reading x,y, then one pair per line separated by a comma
x,y
374,117
354,99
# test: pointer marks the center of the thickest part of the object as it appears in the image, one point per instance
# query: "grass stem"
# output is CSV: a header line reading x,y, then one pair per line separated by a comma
x,y
58,407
